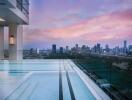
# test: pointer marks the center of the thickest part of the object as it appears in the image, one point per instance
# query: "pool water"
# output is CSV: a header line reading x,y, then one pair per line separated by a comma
x,y
41,80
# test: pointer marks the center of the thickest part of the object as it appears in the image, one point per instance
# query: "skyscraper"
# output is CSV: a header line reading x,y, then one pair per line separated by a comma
x,y
130,48
107,48
98,48
125,44
54,48
125,47
67,48
61,50
76,46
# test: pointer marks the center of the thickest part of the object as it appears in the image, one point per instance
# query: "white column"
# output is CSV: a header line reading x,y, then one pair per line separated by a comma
x,y
1,42
16,50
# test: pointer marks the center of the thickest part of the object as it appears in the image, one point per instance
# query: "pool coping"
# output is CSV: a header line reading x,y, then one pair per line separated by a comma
x,y
95,90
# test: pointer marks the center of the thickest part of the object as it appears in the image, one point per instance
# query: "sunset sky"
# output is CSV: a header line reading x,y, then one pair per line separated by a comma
x,y
67,22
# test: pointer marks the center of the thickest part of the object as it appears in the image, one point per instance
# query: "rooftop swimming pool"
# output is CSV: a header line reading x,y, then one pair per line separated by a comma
x,y
46,80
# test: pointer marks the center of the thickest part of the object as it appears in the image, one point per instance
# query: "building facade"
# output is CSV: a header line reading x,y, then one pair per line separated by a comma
x,y
54,48
13,14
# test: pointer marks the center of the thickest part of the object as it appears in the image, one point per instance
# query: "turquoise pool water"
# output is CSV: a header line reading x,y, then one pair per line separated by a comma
x,y
41,80
30,65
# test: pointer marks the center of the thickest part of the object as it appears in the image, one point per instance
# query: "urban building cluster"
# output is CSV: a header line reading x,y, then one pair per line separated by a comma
x,y
125,50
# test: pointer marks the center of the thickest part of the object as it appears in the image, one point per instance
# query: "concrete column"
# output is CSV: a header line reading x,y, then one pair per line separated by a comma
x,y
16,50
1,43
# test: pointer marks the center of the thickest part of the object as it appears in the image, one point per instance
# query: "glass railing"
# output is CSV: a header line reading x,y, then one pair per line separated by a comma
x,y
23,5
114,81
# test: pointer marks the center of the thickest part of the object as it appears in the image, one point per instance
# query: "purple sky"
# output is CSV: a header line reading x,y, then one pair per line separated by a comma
x,y
67,22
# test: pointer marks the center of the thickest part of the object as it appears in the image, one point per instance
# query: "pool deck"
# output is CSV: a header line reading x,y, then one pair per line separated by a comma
x,y
62,81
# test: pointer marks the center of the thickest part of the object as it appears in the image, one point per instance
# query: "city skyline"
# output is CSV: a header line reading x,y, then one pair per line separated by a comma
x,y
69,22
80,45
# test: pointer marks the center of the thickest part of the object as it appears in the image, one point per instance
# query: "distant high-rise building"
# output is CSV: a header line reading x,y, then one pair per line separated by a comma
x,y
107,48
117,50
125,47
67,48
54,48
76,46
83,47
76,49
125,44
98,48
94,49
38,51
31,51
61,50
130,48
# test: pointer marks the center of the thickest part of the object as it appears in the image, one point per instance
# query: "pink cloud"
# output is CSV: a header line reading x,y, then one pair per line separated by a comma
x,y
106,26
116,25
